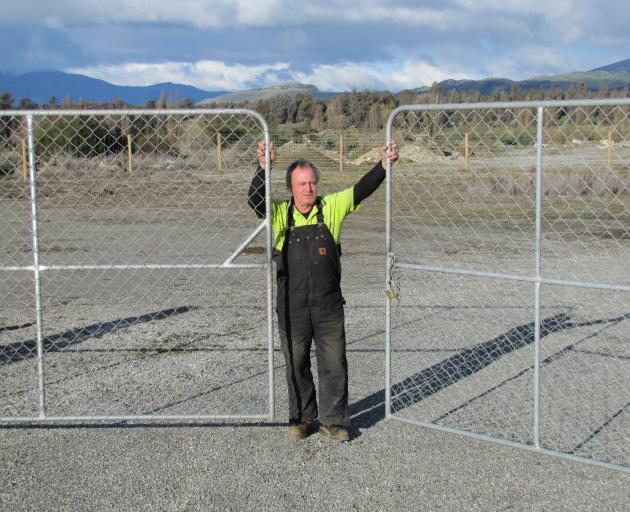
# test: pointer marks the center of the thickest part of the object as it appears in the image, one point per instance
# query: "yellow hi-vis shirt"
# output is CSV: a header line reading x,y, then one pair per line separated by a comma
x,y
336,208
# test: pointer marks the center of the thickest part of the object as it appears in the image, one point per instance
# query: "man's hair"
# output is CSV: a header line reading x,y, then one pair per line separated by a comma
x,y
301,163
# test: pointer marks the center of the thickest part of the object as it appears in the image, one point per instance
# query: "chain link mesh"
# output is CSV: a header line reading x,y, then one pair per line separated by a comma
x,y
118,196
464,219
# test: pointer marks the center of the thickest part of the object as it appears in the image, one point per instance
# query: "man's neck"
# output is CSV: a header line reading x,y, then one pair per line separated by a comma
x,y
305,210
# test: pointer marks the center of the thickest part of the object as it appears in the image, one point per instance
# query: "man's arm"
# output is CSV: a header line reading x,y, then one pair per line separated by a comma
x,y
369,183
373,179
256,195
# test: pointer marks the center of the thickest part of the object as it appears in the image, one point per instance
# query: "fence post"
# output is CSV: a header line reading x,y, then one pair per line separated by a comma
x,y
24,162
129,165
219,152
610,149
341,151
466,163
39,318
540,116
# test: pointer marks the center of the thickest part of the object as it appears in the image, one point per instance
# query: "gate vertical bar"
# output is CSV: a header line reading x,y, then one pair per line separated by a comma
x,y
272,411
538,252
36,268
388,276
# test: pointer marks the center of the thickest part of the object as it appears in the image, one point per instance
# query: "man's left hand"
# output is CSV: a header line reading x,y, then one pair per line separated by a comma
x,y
389,153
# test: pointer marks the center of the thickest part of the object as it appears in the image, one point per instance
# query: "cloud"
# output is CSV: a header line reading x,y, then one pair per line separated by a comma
x,y
529,62
205,74
346,76
567,20
335,44
217,75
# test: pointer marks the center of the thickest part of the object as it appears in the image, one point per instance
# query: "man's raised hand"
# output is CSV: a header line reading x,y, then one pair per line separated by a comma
x,y
260,152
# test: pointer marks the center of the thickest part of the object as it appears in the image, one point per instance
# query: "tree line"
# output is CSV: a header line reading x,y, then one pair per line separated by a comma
x,y
361,109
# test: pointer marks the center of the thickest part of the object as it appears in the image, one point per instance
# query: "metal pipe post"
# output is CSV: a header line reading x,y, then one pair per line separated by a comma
x,y
39,321
538,252
388,274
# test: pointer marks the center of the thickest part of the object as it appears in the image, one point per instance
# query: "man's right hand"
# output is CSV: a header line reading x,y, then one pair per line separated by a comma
x,y
260,152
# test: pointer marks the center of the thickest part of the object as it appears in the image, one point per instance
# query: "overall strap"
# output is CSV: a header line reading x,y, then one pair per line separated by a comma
x,y
290,220
320,212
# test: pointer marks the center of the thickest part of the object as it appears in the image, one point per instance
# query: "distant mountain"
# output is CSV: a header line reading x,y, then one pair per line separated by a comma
x,y
614,76
615,67
289,89
39,86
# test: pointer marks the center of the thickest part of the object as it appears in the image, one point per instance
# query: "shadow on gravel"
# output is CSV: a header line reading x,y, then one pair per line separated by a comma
x,y
20,350
16,327
370,410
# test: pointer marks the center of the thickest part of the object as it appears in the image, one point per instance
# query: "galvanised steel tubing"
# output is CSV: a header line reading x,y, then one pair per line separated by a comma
x,y
510,104
157,266
38,269
132,112
514,444
439,106
388,276
538,280
131,417
538,254
511,277
245,243
39,318
272,409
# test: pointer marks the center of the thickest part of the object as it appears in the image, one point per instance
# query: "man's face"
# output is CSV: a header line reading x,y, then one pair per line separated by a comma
x,y
304,188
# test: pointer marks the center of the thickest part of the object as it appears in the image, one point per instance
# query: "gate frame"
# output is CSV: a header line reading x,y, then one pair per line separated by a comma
x,y
38,269
537,279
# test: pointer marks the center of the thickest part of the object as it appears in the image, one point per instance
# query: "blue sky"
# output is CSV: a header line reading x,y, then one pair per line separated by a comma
x,y
333,44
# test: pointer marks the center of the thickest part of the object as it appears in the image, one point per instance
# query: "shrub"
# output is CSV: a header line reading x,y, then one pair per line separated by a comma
x,y
79,137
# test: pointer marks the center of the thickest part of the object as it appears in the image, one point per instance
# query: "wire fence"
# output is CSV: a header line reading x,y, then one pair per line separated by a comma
x,y
135,281
509,235
121,233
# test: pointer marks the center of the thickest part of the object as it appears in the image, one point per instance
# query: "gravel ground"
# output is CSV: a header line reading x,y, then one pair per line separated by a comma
x,y
389,466
194,342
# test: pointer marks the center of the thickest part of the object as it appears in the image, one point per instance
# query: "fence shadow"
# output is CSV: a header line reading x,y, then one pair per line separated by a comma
x,y
20,350
370,410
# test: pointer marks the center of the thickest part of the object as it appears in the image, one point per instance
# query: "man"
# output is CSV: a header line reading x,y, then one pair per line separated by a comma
x,y
307,248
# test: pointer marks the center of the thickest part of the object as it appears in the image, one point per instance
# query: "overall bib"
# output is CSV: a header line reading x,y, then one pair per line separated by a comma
x,y
310,308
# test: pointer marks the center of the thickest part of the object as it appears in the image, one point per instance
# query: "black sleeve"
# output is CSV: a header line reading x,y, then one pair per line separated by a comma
x,y
256,195
369,183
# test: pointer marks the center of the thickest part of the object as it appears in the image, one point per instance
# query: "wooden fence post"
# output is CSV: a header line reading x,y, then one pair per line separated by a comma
x,y
129,152
466,152
610,149
24,162
341,151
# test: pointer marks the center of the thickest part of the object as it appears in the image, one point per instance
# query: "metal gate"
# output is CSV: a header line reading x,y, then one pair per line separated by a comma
x,y
508,237
126,237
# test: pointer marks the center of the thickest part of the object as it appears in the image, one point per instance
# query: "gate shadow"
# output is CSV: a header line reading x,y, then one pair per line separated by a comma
x,y
371,409
20,350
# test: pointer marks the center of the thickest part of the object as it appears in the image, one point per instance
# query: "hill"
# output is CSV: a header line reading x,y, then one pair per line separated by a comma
x,y
39,86
615,67
289,89
614,76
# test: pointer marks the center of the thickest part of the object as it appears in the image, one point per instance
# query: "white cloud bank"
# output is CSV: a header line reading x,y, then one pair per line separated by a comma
x,y
207,74
216,75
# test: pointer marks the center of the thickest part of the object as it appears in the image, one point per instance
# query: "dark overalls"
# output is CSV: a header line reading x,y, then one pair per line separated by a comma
x,y
310,307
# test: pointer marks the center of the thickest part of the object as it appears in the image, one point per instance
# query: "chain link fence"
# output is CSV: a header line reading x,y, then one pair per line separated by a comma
x,y
128,287
509,235
136,284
